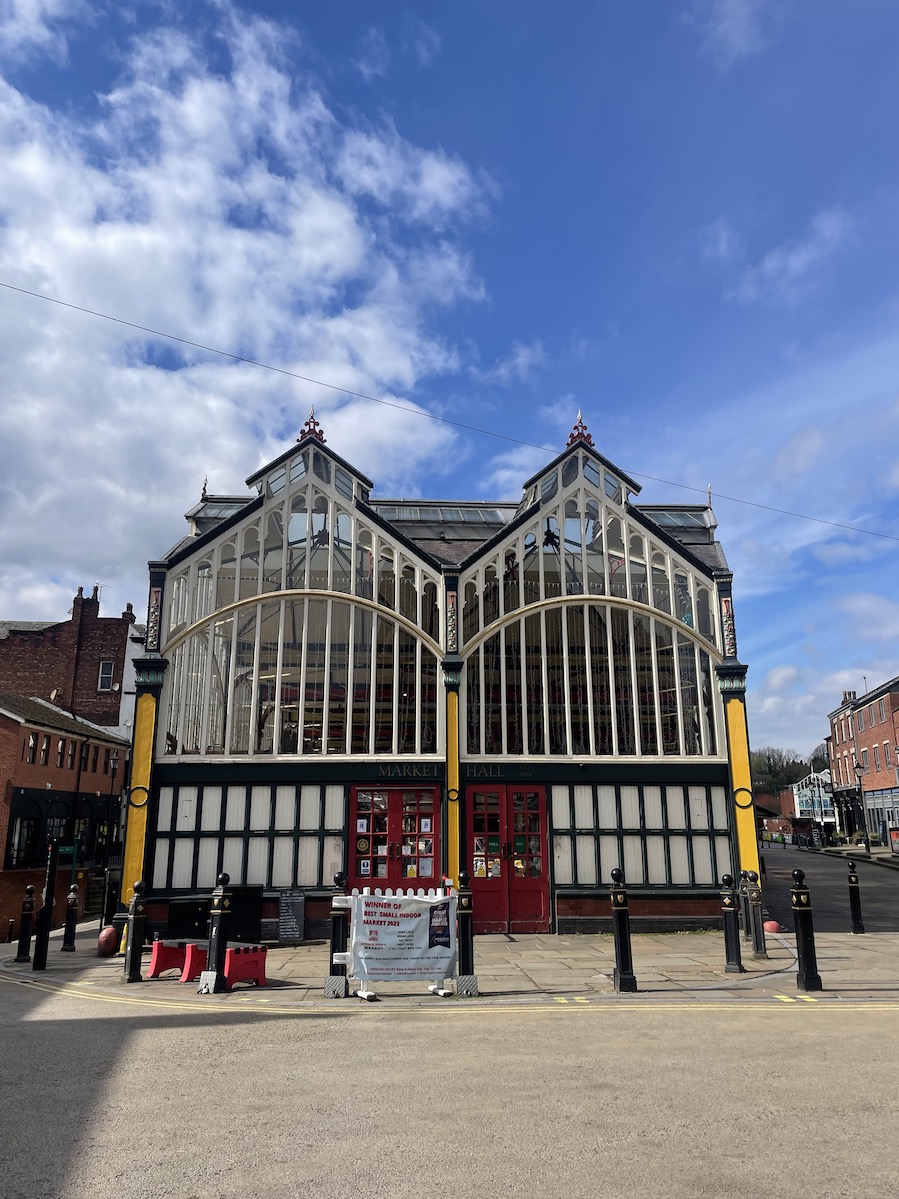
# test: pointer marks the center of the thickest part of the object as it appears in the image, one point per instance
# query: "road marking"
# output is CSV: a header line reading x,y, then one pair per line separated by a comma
x,y
785,998
581,999
561,1000
807,999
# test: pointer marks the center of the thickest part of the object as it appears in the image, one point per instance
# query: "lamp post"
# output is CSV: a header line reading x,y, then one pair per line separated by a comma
x,y
859,774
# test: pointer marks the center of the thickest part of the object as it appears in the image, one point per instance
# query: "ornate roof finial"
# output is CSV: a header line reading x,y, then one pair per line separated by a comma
x,y
579,432
205,484
709,504
312,429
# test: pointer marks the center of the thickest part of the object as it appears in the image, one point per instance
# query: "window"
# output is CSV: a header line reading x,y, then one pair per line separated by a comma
x,y
876,758
104,682
29,752
883,714
887,760
60,753
849,723
106,761
865,760
861,720
85,750
95,756
70,762
45,749
871,717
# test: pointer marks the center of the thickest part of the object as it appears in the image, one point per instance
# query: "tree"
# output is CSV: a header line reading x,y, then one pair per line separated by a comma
x,y
775,769
817,759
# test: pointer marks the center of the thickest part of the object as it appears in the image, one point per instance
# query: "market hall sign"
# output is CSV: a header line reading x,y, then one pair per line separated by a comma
x,y
408,770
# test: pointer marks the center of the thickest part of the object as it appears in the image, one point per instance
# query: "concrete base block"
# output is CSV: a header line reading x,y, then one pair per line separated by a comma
x,y
336,987
467,986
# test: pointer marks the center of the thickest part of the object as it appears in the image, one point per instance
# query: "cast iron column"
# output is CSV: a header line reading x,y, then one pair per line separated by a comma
x,y
68,937
467,982
218,938
755,916
855,900
745,918
623,978
731,929
336,984
807,978
137,927
25,925
45,915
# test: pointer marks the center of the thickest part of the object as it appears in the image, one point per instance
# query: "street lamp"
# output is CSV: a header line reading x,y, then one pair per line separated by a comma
x,y
859,773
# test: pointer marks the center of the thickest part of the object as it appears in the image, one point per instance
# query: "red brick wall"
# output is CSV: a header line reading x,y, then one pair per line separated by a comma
x,y
886,730
12,892
66,658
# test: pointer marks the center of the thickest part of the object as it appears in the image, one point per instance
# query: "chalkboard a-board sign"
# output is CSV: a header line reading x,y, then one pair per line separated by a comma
x,y
291,904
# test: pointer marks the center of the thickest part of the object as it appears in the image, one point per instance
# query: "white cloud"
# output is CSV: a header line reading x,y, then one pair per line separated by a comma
x,y
426,44
374,62
31,26
730,29
519,364
875,618
505,473
784,271
233,208
720,244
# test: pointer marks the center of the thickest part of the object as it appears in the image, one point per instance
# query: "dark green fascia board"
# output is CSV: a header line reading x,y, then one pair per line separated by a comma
x,y
406,773
254,503
388,774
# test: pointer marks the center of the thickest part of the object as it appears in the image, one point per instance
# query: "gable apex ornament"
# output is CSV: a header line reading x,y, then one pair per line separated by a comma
x,y
579,432
312,428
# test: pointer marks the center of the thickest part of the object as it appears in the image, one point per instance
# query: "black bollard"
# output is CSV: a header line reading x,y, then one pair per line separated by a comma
x,y
745,918
855,900
623,977
219,919
10,932
137,926
68,937
731,928
755,916
45,915
26,923
807,978
336,984
467,982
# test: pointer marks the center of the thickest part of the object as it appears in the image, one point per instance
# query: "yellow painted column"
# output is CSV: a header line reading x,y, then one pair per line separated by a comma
x,y
138,793
454,809
149,677
741,782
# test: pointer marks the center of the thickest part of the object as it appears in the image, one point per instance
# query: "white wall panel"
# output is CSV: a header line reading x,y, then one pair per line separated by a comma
x,y
562,871
561,808
186,817
236,809
307,864
702,861
182,867
652,806
285,807
260,809
211,817
232,859
633,860
608,858
282,862
586,859
310,806
206,863
699,811
583,806
164,815
680,860
655,859
257,861
608,813
677,817
630,807
161,863
334,806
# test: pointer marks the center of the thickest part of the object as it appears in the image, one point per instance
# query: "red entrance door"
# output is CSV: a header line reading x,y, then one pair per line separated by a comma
x,y
507,844
393,838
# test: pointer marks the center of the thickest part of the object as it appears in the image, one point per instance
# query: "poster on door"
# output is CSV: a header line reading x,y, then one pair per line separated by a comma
x,y
398,937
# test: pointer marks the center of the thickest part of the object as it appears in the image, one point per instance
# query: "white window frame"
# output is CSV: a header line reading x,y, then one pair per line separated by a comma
x,y
104,676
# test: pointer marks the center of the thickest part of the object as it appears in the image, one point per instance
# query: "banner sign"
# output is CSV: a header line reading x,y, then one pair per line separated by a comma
x,y
398,937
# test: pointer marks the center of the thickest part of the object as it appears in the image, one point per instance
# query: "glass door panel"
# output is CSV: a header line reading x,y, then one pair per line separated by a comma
x,y
507,849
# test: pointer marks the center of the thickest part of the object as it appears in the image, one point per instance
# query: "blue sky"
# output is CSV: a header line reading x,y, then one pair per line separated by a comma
x,y
680,218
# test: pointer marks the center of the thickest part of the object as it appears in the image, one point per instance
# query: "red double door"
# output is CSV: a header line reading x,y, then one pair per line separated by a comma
x,y
394,838
507,855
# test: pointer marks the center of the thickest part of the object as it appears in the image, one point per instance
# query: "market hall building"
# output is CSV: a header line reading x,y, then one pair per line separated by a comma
x,y
402,690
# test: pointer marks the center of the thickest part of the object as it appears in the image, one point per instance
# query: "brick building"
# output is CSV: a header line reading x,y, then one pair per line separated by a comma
x,y
60,779
84,665
864,730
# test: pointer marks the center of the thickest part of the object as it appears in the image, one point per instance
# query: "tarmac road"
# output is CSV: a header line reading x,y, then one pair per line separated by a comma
x,y
107,1096
827,880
